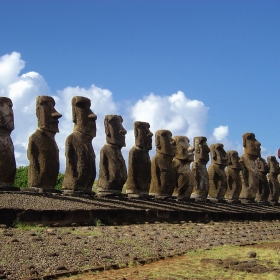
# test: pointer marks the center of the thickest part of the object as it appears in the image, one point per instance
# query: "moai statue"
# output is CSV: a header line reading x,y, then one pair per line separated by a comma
x,y
163,173
249,171
274,185
42,150
234,184
139,163
80,157
112,168
263,189
216,172
184,156
199,168
7,160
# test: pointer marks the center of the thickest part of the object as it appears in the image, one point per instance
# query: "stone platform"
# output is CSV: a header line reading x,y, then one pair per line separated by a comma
x,y
61,210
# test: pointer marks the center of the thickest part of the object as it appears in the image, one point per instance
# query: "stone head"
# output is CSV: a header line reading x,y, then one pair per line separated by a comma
x,y
183,149
164,142
252,146
6,114
233,159
218,154
83,117
273,164
46,114
143,135
201,148
114,130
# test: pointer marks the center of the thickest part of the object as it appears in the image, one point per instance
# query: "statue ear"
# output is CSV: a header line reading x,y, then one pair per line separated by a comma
x,y
244,141
135,131
258,163
229,159
158,141
107,130
214,155
74,115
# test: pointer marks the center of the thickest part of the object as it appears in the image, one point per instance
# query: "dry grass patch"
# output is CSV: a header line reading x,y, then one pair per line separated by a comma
x,y
225,262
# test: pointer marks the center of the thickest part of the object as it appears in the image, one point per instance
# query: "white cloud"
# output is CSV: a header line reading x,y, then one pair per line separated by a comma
x,y
101,104
23,91
182,116
10,67
176,113
221,132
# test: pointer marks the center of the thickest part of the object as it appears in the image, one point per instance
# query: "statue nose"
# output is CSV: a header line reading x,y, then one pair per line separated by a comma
x,y
92,116
123,131
56,115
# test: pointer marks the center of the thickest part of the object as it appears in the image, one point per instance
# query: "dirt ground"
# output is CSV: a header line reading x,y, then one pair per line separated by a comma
x,y
37,252
229,264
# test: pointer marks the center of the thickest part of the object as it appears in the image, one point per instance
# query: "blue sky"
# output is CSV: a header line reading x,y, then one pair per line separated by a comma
x,y
219,59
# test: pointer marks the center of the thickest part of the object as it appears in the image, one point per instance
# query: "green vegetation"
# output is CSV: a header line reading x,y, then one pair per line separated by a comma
x,y
59,181
97,222
23,226
217,263
21,178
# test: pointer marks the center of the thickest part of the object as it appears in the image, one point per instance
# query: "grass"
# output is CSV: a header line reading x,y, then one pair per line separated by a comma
x,y
200,264
22,226
86,233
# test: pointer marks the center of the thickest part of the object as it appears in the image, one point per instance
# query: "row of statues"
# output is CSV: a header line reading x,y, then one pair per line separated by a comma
x,y
168,173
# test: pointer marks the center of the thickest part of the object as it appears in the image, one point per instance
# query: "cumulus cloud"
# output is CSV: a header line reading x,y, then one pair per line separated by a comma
x,y
176,112
23,90
221,132
10,67
102,104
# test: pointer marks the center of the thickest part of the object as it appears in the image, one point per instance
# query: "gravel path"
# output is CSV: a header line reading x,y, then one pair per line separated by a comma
x,y
37,251
23,201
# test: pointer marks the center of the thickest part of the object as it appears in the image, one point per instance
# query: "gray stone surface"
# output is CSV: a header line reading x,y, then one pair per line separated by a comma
x,y
80,170
42,152
184,156
199,169
112,168
7,157
139,163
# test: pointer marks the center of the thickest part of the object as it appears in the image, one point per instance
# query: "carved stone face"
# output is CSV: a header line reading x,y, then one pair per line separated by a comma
x,y
83,117
201,148
218,154
233,159
183,149
252,146
262,165
164,142
46,114
6,114
273,164
143,135
115,132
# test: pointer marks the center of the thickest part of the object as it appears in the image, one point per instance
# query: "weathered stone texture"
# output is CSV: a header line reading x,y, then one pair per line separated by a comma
x,y
273,176
42,150
7,157
199,169
139,163
263,190
112,168
250,173
80,170
232,171
184,156
216,171
163,173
